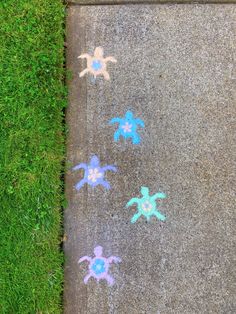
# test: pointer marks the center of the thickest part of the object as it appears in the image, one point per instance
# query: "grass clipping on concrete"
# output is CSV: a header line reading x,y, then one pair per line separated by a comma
x,y
32,97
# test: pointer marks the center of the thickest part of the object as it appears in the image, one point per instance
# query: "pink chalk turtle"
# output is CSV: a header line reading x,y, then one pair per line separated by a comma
x,y
99,266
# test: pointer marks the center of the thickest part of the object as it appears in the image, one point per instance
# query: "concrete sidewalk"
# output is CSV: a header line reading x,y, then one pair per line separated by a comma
x,y
176,71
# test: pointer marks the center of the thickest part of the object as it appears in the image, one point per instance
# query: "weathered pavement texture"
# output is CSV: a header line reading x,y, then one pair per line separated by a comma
x,y
176,70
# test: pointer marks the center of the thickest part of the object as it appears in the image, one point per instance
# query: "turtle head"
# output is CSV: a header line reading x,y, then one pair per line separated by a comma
x,y
129,115
98,52
144,191
98,251
94,161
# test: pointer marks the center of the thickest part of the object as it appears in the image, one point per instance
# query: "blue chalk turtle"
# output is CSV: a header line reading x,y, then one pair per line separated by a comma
x,y
127,127
94,173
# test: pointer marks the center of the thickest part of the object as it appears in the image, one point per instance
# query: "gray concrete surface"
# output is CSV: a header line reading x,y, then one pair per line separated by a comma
x,y
176,71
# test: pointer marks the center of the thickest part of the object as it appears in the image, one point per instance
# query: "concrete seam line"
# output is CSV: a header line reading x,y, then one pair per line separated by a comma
x,y
143,2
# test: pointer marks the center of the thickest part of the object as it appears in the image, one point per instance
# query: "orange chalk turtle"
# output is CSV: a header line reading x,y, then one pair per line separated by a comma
x,y
97,64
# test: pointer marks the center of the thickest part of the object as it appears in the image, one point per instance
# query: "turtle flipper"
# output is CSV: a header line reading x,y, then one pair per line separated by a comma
x,y
85,258
140,122
115,120
105,184
80,166
135,217
110,280
114,259
159,216
86,278
159,195
132,201
79,185
135,138
110,168
117,135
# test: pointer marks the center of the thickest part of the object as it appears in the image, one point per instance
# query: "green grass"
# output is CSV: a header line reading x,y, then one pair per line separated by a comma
x,y
32,98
